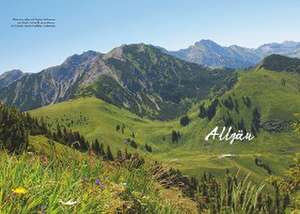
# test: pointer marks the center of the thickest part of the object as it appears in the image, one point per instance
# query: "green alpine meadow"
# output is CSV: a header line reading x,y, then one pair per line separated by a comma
x,y
149,107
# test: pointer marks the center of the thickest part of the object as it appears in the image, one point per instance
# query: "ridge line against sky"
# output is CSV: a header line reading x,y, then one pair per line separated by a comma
x,y
105,52
172,24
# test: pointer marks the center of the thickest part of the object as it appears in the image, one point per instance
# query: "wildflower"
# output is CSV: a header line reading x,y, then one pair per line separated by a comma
x,y
99,183
20,190
68,203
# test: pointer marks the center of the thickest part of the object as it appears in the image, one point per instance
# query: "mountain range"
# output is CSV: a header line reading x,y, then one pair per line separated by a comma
x,y
209,53
138,77
145,79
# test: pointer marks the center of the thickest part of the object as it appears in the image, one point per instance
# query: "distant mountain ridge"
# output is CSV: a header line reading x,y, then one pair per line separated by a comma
x,y
209,53
287,48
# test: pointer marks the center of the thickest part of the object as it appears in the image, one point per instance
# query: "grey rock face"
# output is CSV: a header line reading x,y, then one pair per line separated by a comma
x,y
9,77
48,86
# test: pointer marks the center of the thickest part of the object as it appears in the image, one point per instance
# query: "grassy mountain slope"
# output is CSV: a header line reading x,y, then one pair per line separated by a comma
x,y
190,155
275,94
53,178
276,148
95,119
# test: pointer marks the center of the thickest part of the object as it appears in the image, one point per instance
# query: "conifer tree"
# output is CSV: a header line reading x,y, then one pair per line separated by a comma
x,y
202,111
109,155
148,148
96,147
119,155
101,150
58,133
185,120
256,119
211,111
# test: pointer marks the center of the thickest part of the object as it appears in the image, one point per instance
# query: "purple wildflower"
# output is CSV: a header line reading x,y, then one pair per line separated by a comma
x,y
98,182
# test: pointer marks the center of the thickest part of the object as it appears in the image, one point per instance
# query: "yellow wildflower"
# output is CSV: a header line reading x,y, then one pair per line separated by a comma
x,y
146,197
20,190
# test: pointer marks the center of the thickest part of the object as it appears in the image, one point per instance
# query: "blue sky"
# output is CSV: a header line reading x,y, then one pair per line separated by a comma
x,y
101,25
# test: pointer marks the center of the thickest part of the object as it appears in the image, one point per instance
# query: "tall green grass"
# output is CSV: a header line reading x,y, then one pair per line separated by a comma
x,y
76,186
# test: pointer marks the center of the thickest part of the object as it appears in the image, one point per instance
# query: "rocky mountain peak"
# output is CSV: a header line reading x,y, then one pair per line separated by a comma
x,y
77,59
207,43
10,76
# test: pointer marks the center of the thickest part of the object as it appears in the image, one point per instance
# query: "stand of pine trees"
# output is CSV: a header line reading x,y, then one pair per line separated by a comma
x,y
13,131
16,126
211,110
